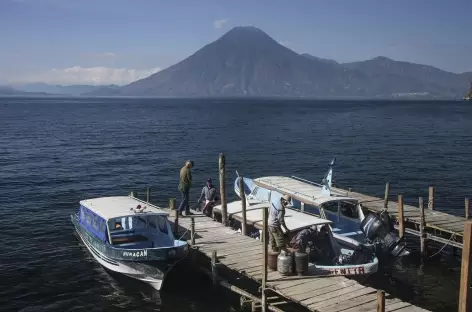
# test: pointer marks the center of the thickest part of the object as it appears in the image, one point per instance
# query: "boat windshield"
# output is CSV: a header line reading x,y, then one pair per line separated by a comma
x,y
140,223
349,209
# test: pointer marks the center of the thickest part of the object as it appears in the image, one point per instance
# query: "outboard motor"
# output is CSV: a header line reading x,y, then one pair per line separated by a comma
x,y
378,230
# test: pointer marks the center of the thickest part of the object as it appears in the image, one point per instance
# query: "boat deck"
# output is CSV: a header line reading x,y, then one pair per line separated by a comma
x,y
244,254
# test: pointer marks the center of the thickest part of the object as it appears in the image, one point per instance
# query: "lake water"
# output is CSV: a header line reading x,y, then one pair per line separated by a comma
x,y
57,151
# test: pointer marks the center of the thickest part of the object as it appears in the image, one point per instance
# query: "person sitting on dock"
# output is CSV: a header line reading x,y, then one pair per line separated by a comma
x,y
184,187
304,238
276,222
209,193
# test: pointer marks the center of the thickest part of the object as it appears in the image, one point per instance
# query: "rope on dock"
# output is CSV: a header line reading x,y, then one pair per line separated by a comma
x,y
446,244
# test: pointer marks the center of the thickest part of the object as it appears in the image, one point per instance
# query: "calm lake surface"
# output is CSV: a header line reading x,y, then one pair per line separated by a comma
x,y
57,151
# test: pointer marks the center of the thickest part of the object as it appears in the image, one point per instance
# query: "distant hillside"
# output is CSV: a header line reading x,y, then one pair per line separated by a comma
x,y
7,90
247,62
62,90
420,78
315,58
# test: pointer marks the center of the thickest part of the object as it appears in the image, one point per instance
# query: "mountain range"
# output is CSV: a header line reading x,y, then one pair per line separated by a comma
x,y
247,62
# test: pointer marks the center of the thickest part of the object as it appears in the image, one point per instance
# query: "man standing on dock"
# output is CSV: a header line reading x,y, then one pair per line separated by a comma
x,y
276,222
184,187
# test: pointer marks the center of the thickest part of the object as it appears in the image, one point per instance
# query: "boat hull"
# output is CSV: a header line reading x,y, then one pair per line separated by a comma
x,y
148,270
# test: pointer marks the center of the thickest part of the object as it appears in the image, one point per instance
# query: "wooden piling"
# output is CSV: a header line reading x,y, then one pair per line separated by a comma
x,y
172,203
176,222
422,223
467,208
431,198
222,170
133,194
349,190
387,192
148,194
264,252
401,219
214,271
192,231
380,301
465,300
243,206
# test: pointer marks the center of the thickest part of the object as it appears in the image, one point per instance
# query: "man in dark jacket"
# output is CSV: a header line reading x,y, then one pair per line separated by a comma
x,y
184,187
303,238
209,194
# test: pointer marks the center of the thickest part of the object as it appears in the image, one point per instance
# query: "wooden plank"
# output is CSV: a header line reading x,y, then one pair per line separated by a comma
x,y
314,286
411,309
354,302
352,285
327,301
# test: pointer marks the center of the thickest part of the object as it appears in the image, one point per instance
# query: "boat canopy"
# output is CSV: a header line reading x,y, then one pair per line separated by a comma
x,y
120,206
304,192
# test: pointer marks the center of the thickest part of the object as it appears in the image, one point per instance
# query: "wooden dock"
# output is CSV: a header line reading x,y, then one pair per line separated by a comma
x,y
243,255
438,226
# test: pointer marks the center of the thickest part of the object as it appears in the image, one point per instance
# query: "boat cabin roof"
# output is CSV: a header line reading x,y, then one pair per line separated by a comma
x,y
304,192
119,206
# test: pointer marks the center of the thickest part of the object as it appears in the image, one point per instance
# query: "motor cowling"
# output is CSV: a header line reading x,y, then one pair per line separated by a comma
x,y
377,229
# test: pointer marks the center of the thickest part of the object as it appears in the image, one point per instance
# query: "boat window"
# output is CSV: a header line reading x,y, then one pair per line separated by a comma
x,y
88,217
162,222
102,226
331,206
349,209
96,221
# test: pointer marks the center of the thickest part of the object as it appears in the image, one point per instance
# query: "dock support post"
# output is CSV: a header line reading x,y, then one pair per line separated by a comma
x,y
148,194
172,203
380,301
467,208
401,219
349,190
176,222
422,223
192,231
387,192
222,170
431,198
133,194
465,300
264,252
243,206
214,271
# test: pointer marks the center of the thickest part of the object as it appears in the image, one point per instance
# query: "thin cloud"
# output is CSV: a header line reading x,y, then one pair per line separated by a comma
x,y
98,75
219,23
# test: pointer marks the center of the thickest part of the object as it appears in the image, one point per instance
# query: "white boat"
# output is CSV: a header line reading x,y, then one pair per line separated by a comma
x,y
345,212
344,252
128,236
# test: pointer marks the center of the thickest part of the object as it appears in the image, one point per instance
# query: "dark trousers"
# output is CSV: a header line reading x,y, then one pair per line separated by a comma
x,y
184,206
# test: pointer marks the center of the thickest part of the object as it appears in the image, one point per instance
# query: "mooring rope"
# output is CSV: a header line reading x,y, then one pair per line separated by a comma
x,y
447,243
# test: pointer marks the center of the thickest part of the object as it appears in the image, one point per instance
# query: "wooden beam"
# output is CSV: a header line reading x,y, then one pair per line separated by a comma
x,y
243,206
467,208
401,219
380,301
465,301
387,193
422,223
431,198
222,171
264,252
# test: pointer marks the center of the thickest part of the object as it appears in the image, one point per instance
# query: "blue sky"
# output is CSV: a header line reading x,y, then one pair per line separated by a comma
x,y
117,41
